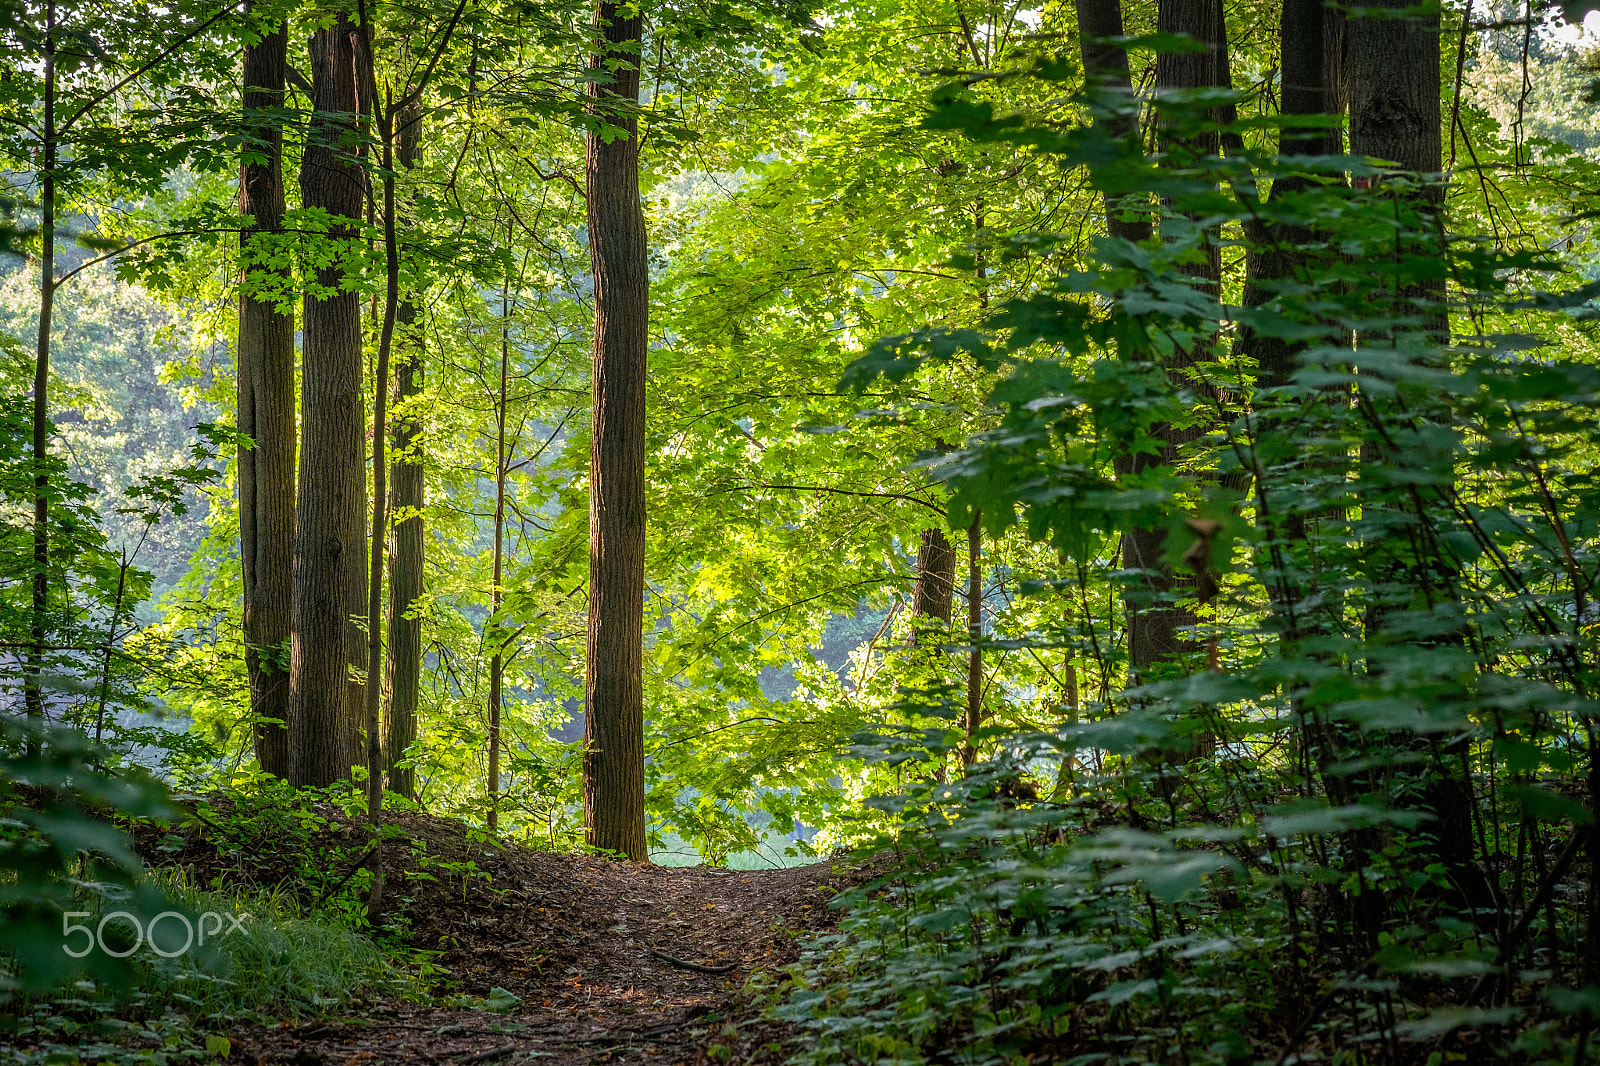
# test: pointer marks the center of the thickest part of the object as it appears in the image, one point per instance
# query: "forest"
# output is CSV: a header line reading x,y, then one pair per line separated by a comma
x,y
767,531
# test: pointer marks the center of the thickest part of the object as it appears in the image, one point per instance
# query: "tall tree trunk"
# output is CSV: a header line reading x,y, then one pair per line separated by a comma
x,y
266,406
1392,75
497,659
1392,67
613,727
372,691
329,576
33,684
1274,254
405,581
1106,64
974,716
1154,621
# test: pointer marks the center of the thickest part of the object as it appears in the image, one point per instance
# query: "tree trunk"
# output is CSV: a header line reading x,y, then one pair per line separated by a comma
x,y
1392,70
491,629
974,717
1100,21
266,407
613,727
936,577
1393,81
1274,253
1392,75
1154,621
330,580
372,690
405,580
33,684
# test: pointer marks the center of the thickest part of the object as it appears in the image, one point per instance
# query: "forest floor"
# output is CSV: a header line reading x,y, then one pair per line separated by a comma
x,y
612,961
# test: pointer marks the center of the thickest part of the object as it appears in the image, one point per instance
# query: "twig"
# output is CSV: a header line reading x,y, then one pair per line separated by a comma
x,y
1541,895
485,1056
348,875
695,966
632,1036
1300,1030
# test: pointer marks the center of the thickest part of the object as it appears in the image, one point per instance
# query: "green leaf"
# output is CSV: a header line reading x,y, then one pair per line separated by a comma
x,y
1547,806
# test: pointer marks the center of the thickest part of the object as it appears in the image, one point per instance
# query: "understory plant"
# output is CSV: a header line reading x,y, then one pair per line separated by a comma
x,y
1352,818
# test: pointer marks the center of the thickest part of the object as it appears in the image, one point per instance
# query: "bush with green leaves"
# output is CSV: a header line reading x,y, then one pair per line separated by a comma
x,y
1366,832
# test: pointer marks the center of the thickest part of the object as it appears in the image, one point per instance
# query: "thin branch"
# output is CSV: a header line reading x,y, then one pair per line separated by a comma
x,y
63,279
847,492
141,71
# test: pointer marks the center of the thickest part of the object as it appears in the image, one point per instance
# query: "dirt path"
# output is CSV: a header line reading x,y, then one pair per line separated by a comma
x,y
581,943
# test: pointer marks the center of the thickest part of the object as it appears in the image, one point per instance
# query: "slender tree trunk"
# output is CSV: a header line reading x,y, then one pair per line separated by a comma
x,y
974,716
372,695
266,407
33,685
1274,253
405,582
329,577
497,660
613,727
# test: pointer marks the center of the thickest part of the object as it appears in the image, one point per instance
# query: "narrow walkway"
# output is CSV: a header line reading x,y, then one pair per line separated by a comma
x,y
613,962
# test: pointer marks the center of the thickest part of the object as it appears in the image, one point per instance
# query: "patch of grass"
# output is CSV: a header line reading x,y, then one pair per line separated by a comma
x,y
272,959
263,959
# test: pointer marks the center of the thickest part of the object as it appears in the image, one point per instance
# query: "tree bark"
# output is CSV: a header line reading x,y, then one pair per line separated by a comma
x,y
1106,65
1393,84
39,622
372,690
1273,254
974,717
1392,75
496,598
405,581
613,728
266,406
330,580
1392,67
934,593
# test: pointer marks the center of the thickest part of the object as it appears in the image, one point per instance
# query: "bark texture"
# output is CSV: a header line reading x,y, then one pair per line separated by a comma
x,y
613,727
1394,88
496,595
330,573
974,715
39,621
1392,68
1274,252
1106,64
1392,75
266,407
405,580
934,593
